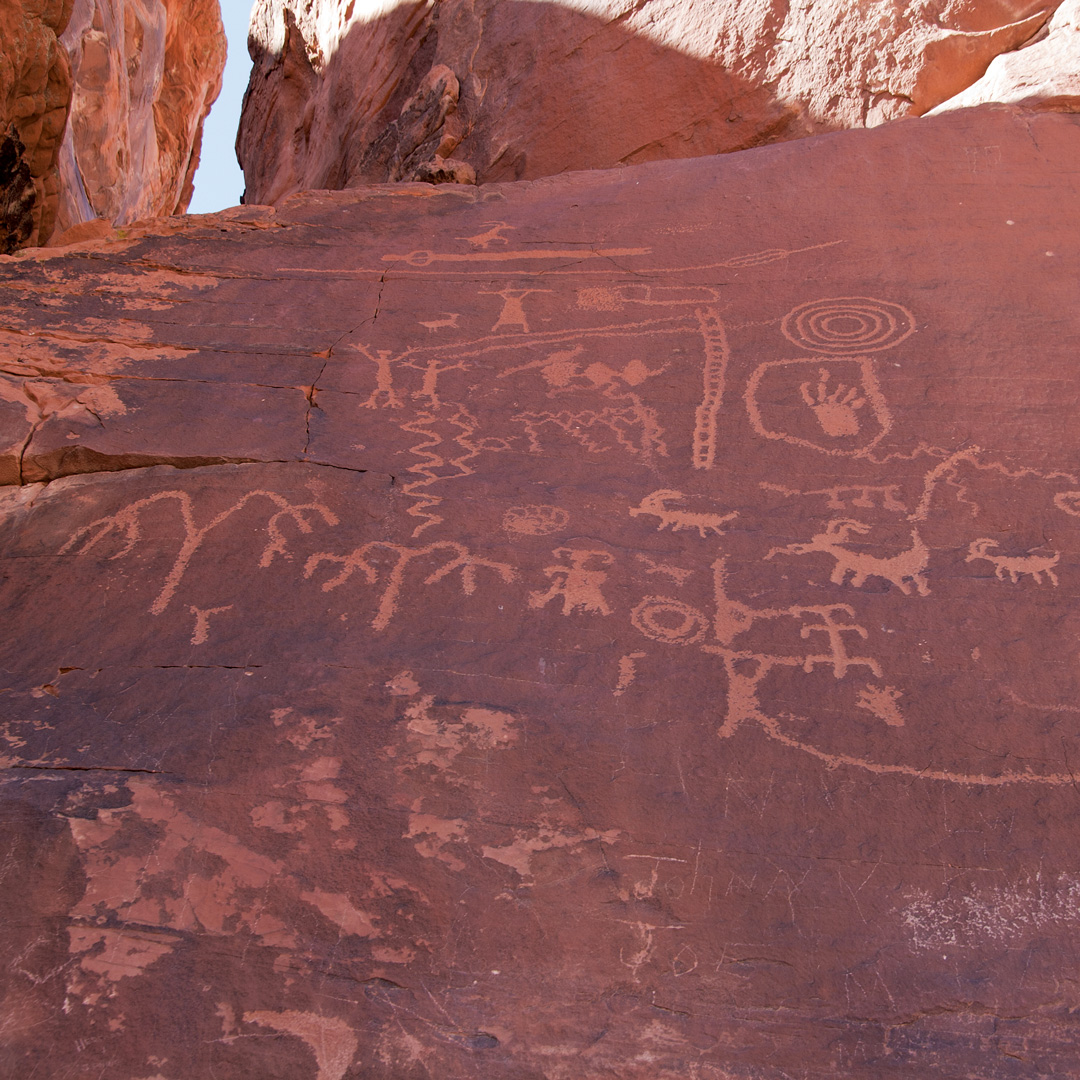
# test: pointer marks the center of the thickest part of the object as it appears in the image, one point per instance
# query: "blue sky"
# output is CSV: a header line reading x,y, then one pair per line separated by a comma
x,y
219,182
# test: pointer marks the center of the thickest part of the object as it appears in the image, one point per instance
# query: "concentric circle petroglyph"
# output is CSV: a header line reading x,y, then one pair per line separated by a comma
x,y
663,618
848,324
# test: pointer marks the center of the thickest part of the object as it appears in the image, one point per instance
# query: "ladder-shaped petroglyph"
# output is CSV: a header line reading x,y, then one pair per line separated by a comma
x,y
905,570
457,557
1014,566
128,522
706,417
655,505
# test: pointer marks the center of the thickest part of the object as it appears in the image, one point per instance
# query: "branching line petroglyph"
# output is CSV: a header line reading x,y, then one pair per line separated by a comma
x,y
361,559
128,522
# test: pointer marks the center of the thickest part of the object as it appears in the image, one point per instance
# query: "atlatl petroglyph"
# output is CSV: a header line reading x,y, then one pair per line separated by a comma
x,y
904,570
362,559
128,521
578,585
1015,566
655,505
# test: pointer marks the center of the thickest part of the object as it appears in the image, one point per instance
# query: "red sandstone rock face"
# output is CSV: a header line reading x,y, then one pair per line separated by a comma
x,y
343,95
145,78
145,75
622,625
35,91
1044,74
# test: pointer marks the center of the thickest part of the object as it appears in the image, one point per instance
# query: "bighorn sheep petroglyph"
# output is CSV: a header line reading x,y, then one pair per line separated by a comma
x,y
902,570
1013,565
655,505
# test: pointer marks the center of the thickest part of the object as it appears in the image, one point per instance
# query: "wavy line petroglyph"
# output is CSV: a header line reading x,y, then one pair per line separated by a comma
x,y
128,522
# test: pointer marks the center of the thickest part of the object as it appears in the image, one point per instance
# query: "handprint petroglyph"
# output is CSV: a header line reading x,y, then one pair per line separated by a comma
x,y
836,409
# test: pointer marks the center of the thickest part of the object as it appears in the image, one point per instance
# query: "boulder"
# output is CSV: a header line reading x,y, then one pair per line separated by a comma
x,y
349,94
615,625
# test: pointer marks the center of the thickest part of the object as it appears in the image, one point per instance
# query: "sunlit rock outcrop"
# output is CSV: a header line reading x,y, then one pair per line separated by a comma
x,y
344,94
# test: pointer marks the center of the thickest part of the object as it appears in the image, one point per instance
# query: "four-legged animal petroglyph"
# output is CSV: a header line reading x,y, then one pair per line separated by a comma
x,y
655,505
1035,566
902,570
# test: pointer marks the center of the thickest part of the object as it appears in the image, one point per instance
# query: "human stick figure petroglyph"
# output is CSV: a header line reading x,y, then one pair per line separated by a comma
x,y
902,570
128,522
361,559
674,622
577,584
513,310
655,505
383,359
1035,566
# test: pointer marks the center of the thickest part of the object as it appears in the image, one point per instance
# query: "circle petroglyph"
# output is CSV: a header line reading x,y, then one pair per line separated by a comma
x,y
848,324
663,618
535,520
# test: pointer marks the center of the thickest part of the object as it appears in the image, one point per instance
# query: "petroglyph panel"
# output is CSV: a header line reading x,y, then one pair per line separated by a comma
x,y
654,654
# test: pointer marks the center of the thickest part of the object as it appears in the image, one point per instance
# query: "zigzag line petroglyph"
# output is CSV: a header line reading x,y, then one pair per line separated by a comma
x,y
359,559
433,466
128,522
